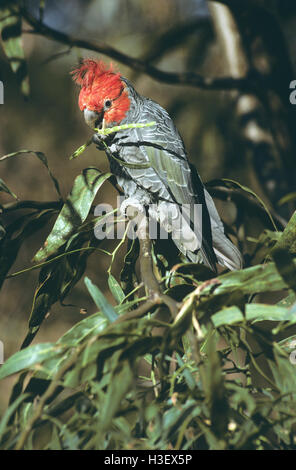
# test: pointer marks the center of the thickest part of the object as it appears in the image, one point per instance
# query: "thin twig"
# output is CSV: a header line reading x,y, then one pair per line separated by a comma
x,y
241,198
138,312
56,56
12,206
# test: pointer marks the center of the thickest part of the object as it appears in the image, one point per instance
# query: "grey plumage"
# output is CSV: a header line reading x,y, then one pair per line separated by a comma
x,y
168,183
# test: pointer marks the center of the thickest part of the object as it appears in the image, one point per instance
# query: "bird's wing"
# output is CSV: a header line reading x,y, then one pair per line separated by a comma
x,y
171,177
166,153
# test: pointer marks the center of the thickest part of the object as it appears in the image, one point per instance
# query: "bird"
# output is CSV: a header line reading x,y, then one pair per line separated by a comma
x,y
151,164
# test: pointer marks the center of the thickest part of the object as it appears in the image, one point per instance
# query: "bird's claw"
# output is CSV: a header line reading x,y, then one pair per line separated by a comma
x,y
131,208
100,139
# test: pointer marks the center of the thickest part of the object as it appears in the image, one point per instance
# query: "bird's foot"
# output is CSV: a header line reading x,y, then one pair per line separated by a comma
x,y
100,140
132,208
167,214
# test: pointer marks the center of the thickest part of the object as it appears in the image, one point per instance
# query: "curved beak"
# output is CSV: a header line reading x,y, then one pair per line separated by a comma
x,y
92,118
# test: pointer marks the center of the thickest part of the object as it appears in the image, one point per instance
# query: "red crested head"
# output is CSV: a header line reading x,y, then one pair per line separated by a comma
x,y
102,90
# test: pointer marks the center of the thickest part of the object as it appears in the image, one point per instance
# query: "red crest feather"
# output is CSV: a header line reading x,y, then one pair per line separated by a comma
x,y
99,82
90,69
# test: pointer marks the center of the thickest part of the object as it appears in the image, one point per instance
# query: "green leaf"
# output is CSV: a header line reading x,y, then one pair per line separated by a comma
x,y
241,396
215,390
285,266
9,412
259,278
116,289
74,211
134,125
264,244
230,290
287,301
111,130
42,158
288,198
2,232
186,373
57,279
11,34
92,325
26,358
284,374
175,416
234,184
81,149
5,188
120,383
100,300
287,240
127,275
254,313
288,344
26,226
46,294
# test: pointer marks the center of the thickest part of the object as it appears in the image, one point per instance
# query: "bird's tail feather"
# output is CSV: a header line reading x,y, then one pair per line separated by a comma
x,y
226,252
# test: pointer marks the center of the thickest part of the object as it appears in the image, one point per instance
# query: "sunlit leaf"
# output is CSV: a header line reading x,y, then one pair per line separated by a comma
x,y
100,300
11,35
91,325
5,188
29,357
253,313
9,412
74,211
115,289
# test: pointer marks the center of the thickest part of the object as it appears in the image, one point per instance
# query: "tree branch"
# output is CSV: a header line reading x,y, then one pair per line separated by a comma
x,y
146,268
182,78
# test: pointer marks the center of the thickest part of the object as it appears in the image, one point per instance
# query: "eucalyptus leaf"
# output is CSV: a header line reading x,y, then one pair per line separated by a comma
x,y
9,412
74,211
253,313
100,300
4,187
115,289
29,357
231,288
92,325
11,34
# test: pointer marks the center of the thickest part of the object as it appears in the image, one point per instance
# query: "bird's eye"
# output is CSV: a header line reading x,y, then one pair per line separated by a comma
x,y
107,104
